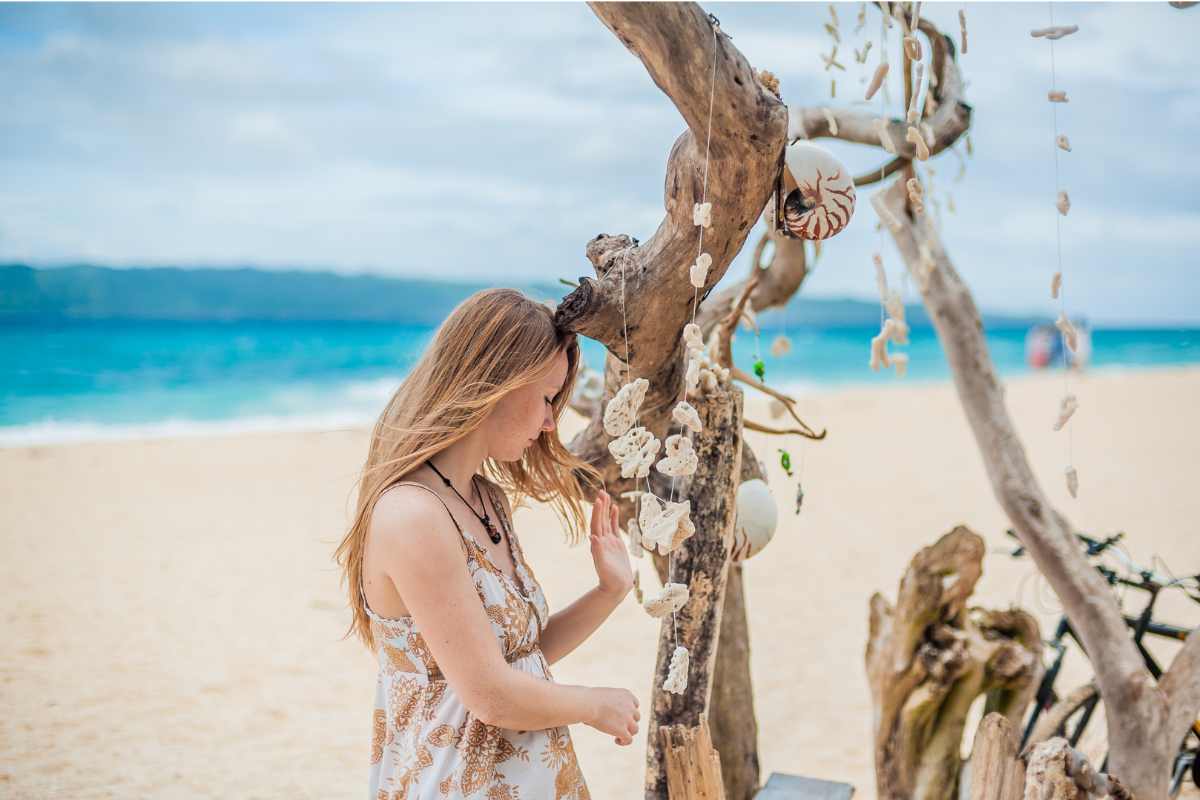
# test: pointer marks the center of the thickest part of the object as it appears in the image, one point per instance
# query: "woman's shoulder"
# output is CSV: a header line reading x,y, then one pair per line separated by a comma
x,y
410,513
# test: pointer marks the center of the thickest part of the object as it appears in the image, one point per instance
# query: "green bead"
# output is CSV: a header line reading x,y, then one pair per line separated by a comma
x,y
760,370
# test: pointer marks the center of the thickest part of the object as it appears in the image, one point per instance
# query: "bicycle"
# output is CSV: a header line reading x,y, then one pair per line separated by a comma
x,y
1076,708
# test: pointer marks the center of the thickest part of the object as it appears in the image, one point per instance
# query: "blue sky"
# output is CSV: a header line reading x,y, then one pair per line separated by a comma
x,y
493,141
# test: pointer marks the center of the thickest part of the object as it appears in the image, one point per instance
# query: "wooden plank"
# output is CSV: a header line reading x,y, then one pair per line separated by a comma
x,y
797,787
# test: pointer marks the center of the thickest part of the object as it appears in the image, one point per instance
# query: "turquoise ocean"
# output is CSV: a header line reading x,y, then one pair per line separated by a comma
x,y
81,381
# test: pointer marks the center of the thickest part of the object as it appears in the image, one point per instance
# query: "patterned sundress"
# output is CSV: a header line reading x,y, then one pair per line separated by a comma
x,y
426,744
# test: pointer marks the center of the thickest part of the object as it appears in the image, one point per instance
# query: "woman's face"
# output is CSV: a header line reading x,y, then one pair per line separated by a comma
x,y
524,414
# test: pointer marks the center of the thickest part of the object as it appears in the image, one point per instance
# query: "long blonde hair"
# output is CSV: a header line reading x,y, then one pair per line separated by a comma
x,y
495,341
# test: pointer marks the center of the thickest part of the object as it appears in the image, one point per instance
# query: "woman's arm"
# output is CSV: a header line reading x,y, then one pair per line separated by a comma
x,y
437,590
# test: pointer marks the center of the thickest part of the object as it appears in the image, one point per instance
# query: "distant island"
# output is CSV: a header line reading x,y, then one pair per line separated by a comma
x,y
92,293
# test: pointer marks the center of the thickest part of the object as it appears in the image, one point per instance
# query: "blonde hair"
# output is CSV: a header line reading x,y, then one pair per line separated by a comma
x,y
495,341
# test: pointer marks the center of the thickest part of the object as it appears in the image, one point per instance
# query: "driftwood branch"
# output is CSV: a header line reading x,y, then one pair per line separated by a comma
x,y
1136,709
693,769
996,771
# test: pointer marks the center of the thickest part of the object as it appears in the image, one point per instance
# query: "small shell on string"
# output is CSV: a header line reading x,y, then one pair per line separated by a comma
x,y
1069,406
1068,332
686,415
670,599
622,409
885,138
900,362
680,457
677,673
1063,203
635,451
756,520
702,214
829,120
916,194
1072,481
879,351
962,28
665,525
693,337
699,271
876,80
823,201
1057,96
781,346
1054,32
1056,285
914,110
633,537
1063,142
918,141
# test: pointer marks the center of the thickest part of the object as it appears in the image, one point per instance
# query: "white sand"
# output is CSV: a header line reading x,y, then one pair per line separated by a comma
x,y
172,617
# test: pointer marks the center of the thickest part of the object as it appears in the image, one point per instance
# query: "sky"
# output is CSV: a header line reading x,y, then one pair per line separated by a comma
x,y
492,141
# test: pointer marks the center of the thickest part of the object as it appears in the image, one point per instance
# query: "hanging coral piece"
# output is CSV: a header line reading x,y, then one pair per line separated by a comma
x,y
1072,481
691,378
1063,142
1069,406
680,458
702,215
1056,285
876,80
677,674
757,518
1054,32
699,271
918,142
1063,203
880,277
622,410
781,346
962,28
914,111
665,525
687,416
692,336
1057,96
879,351
1068,332
635,451
915,194
634,539
823,201
673,597
900,363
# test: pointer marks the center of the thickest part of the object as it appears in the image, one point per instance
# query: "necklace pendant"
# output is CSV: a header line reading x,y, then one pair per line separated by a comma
x,y
492,533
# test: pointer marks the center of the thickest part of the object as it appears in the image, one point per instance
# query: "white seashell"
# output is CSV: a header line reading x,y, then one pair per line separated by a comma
x,y
1055,285
665,525
621,411
781,346
1063,142
1068,332
1055,32
757,518
918,142
677,673
885,138
1069,406
962,27
680,458
1063,203
1072,481
702,214
915,193
876,80
673,597
1057,96
686,415
634,539
823,201
691,378
692,336
900,362
699,271
635,451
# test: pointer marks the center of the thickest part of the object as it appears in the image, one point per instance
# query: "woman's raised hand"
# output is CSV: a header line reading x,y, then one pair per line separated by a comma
x,y
615,713
609,554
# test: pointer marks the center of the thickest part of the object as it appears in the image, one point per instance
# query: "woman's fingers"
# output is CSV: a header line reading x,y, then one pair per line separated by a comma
x,y
614,519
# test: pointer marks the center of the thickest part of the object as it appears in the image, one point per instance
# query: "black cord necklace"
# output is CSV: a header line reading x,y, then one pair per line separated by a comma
x,y
484,520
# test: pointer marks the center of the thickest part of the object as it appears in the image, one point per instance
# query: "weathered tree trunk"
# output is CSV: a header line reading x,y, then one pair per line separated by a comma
x,y
1146,722
731,709
693,768
996,772
700,562
929,657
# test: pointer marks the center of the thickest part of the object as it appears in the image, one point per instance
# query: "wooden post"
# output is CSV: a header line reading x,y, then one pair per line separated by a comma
x,y
996,772
701,562
693,766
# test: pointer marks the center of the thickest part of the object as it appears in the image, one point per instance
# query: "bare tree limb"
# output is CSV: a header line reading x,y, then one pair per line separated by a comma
x,y
1181,684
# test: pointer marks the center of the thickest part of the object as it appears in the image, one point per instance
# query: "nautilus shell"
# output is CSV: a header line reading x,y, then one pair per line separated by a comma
x,y
677,673
823,201
757,518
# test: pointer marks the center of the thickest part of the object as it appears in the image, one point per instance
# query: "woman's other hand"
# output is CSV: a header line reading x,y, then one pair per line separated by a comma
x,y
609,554
615,713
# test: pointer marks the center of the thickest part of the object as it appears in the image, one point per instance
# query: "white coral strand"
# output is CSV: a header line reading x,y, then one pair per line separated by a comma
x,y
635,452
1056,285
665,525
698,274
691,378
622,410
680,457
1063,203
677,674
686,415
672,598
693,337
702,214
1069,406
1068,332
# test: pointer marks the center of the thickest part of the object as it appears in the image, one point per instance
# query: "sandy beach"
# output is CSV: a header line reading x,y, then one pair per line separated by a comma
x,y
173,620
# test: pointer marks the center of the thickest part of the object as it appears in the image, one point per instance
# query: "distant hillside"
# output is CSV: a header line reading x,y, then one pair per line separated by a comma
x,y
227,295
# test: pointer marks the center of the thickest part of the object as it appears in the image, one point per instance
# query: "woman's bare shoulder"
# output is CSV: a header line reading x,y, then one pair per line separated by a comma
x,y
410,515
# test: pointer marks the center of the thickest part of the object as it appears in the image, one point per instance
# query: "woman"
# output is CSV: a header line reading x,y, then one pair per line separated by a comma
x,y
465,706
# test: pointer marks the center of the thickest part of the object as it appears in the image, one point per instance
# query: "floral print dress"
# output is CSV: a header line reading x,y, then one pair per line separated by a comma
x,y
426,744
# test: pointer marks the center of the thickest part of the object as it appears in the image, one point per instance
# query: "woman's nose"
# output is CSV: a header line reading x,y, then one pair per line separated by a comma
x,y
548,422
